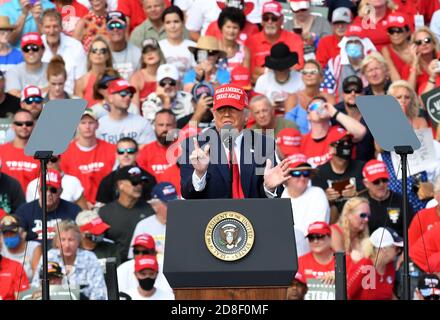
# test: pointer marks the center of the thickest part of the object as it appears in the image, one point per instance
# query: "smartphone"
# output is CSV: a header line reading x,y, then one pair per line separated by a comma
x,y
202,55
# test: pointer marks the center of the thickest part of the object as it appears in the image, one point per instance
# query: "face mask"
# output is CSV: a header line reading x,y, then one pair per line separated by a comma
x,y
12,242
354,50
344,150
146,284
95,238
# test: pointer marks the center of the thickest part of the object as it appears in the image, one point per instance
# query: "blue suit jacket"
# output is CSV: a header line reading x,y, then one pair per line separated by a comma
x,y
255,149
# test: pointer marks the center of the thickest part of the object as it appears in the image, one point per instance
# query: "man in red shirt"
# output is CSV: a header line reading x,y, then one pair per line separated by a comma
x,y
153,157
425,252
13,160
319,263
88,158
328,45
259,44
13,278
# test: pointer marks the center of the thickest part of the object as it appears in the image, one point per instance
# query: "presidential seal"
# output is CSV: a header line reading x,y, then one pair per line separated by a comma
x,y
229,236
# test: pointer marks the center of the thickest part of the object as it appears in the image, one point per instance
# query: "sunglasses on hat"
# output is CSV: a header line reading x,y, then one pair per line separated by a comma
x,y
299,173
24,123
35,99
31,47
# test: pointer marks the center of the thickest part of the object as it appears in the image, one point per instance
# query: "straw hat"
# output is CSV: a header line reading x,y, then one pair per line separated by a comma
x,y
207,43
5,24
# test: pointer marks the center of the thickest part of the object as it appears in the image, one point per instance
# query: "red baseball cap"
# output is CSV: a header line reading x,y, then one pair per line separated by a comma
x,y
298,161
273,7
31,38
89,220
288,141
241,76
318,227
375,169
396,20
31,91
338,134
230,95
146,262
145,240
119,85
300,278
53,178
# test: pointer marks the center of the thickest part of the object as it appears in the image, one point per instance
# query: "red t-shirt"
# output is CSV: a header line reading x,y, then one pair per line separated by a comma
x,y
18,165
135,11
427,248
153,158
249,30
317,152
421,80
259,47
71,14
365,283
171,174
311,269
400,65
327,49
12,278
90,167
423,221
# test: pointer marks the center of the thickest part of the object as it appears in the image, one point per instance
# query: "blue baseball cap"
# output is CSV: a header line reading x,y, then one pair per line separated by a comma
x,y
164,192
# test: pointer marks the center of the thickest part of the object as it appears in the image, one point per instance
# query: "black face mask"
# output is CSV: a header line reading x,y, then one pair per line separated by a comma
x,y
146,284
94,238
344,150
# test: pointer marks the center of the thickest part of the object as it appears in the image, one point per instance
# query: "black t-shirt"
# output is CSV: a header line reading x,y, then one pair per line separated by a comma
x,y
9,106
388,211
365,147
11,194
122,223
108,192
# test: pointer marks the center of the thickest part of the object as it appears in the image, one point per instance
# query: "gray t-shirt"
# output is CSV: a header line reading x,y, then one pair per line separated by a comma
x,y
127,61
19,77
133,126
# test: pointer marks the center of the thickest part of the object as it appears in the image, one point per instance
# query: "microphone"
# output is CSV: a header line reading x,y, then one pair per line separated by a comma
x,y
227,135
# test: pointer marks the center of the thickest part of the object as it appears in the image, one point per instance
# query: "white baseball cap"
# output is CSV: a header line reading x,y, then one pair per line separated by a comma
x,y
385,237
167,71
341,14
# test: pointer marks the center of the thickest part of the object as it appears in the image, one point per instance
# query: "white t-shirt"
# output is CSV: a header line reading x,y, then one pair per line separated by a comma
x,y
267,85
310,207
302,245
153,227
127,61
74,57
178,55
72,189
127,280
158,295
184,5
133,126
201,14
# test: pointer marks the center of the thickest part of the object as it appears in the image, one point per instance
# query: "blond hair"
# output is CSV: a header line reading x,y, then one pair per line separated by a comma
x,y
373,56
344,222
413,110
365,9
64,226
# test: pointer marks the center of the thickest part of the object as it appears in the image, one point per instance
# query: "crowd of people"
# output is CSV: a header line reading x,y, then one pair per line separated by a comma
x,y
159,76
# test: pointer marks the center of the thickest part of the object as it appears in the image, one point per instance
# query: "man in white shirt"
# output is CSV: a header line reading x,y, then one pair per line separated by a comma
x,y
155,225
119,123
57,43
309,204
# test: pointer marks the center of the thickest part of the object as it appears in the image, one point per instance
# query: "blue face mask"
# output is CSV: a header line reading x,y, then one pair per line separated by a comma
x,y
12,242
354,50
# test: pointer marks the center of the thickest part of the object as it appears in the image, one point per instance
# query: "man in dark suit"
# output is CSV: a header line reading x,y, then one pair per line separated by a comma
x,y
205,169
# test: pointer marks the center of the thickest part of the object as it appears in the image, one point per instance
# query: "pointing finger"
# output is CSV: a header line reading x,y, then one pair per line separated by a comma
x,y
196,144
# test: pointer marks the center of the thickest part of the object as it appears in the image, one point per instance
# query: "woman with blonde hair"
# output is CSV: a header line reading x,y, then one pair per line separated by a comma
x,y
373,277
375,69
80,267
423,73
352,227
98,58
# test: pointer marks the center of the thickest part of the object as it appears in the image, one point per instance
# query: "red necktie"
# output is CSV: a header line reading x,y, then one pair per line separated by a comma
x,y
237,191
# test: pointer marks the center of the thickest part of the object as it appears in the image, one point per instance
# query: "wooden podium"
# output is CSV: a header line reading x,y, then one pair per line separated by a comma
x,y
261,293
264,272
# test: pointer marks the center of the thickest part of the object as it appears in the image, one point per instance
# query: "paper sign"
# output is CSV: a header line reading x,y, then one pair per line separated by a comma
x,y
319,291
422,159
431,100
419,21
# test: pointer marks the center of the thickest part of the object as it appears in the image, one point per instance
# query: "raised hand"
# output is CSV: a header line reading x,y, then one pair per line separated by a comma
x,y
200,158
275,176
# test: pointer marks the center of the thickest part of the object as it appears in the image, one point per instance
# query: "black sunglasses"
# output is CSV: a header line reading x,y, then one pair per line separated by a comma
x,y
52,190
126,150
420,42
35,99
314,237
350,90
271,18
31,47
24,123
379,181
135,183
99,50
299,173
125,93
143,252
395,30
170,82
364,215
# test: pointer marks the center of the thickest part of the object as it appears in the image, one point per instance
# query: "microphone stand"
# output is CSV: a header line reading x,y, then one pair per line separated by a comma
x,y
231,170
